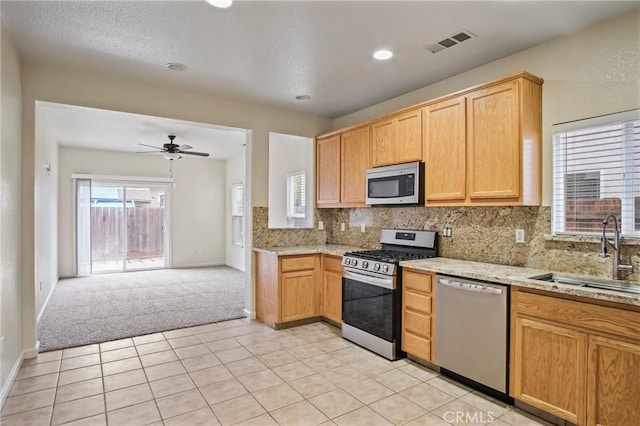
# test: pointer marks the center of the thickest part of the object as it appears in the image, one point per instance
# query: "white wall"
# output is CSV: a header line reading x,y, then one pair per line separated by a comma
x,y
235,174
197,201
10,213
46,212
590,73
68,86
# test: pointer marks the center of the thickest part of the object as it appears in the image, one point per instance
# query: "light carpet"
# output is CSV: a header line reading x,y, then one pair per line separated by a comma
x,y
101,308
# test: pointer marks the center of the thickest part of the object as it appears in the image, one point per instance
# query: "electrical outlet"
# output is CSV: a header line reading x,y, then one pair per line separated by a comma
x,y
520,236
362,227
320,225
447,231
342,227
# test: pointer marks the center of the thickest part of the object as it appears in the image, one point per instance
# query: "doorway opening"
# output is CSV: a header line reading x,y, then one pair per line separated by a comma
x,y
121,226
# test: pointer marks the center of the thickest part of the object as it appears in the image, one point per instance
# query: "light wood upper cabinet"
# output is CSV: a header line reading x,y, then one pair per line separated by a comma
x,y
445,150
355,162
493,143
575,359
397,139
332,288
342,160
328,170
484,147
613,390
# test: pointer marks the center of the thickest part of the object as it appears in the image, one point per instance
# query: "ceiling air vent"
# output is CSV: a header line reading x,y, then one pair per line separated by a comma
x,y
448,42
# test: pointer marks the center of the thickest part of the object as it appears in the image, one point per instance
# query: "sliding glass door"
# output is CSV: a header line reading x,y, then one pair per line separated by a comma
x,y
128,227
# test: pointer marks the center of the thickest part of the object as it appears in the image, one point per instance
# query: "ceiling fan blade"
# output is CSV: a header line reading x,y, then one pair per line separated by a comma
x,y
184,147
150,146
199,154
148,152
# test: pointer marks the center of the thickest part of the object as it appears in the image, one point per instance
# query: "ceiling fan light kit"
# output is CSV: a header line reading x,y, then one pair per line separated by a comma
x,y
172,151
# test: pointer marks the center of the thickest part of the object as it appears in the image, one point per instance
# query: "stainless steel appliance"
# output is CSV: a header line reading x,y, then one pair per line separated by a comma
x,y
471,331
397,184
372,289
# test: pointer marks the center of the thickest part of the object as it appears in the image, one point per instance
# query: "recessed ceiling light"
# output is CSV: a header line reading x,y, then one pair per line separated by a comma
x,y
382,55
303,97
174,66
222,4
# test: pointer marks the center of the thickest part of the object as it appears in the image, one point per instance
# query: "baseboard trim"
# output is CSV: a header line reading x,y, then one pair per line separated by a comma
x,y
47,300
6,387
249,314
32,352
198,265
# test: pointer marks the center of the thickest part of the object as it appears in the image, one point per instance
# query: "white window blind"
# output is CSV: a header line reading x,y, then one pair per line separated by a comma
x,y
237,221
596,172
296,199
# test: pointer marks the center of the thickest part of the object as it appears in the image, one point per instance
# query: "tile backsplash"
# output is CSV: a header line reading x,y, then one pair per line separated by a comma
x,y
484,234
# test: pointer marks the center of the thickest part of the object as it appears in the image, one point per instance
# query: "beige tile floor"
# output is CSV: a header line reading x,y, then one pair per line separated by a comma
x,y
241,372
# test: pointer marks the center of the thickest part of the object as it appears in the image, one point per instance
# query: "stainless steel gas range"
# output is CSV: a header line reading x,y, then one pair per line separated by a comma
x,y
372,289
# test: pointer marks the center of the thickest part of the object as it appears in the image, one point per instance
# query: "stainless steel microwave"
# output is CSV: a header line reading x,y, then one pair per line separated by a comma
x,y
397,184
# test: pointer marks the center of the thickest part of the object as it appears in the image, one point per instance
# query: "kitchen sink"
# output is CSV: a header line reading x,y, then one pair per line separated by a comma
x,y
588,283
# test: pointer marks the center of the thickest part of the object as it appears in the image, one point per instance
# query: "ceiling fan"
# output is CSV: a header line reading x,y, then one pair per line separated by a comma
x,y
172,151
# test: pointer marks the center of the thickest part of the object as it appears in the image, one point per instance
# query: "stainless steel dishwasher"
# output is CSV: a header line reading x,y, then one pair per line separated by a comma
x,y
471,331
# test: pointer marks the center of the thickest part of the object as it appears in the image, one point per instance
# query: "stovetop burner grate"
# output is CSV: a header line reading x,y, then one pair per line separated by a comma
x,y
391,256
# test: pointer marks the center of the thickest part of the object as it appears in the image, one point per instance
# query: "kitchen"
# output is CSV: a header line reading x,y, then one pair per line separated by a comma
x,y
436,322
484,234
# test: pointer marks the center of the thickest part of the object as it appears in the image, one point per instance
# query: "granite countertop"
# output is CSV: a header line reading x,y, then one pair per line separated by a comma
x,y
332,249
518,276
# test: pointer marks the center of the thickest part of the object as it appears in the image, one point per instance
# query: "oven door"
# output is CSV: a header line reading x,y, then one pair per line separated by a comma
x,y
369,304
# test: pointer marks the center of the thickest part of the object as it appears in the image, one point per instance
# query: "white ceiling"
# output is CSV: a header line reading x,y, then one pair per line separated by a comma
x,y
91,128
271,51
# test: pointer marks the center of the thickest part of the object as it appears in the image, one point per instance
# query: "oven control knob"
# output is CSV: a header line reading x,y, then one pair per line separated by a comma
x,y
376,267
347,261
365,264
354,262
385,268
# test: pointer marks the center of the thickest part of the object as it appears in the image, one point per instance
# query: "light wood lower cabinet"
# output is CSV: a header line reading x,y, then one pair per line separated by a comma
x,y
417,313
613,382
576,359
287,288
293,288
551,368
332,288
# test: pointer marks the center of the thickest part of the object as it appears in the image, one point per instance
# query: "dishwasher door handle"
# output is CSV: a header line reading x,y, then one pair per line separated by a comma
x,y
478,288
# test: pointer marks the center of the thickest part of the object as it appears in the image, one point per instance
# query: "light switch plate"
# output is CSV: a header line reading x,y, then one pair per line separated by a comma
x,y
320,225
342,227
362,227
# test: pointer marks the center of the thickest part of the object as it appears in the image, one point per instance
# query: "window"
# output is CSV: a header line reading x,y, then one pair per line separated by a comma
x,y
237,220
296,199
596,172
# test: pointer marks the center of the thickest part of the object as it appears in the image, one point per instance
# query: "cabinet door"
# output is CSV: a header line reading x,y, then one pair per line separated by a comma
x,y
550,368
493,142
332,296
383,143
298,295
355,162
409,136
613,383
445,150
328,170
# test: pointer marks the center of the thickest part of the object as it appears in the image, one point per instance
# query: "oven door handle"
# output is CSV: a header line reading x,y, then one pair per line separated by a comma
x,y
378,282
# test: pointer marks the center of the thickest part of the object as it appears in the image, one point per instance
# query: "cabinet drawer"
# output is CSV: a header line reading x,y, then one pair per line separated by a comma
x,y
297,263
417,281
332,263
416,345
418,323
417,301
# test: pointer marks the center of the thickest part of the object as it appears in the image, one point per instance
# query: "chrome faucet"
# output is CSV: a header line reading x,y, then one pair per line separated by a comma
x,y
617,267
